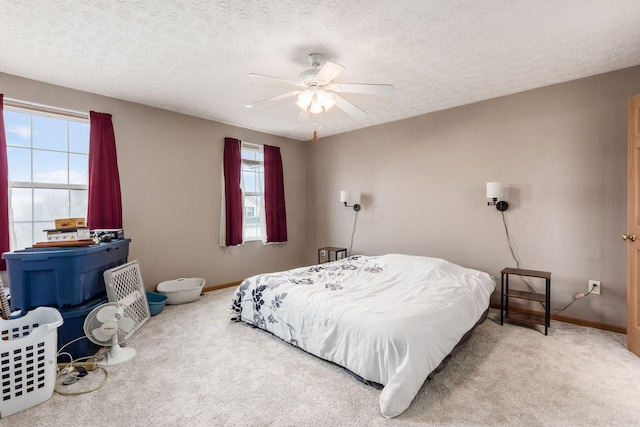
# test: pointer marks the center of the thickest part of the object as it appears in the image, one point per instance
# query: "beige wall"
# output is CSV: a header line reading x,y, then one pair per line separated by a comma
x,y
559,150
170,171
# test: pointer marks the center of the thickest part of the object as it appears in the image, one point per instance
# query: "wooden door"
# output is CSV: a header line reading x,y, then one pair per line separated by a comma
x,y
633,227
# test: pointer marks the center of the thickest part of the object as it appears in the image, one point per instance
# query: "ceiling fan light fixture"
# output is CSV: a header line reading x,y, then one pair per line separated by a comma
x,y
315,100
326,99
316,105
304,100
302,106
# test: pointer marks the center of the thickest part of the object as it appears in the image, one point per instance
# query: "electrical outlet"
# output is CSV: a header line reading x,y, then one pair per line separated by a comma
x,y
594,287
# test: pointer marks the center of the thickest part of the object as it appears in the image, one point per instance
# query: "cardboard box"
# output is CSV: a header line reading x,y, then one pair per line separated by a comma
x,y
70,223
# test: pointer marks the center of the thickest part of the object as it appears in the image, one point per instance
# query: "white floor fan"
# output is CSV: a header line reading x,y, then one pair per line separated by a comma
x,y
115,323
111,325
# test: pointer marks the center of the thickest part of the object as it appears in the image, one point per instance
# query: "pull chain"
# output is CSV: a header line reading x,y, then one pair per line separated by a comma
x,y
316,128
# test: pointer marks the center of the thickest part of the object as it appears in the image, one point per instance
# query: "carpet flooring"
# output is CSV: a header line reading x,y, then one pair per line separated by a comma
x,y
195,368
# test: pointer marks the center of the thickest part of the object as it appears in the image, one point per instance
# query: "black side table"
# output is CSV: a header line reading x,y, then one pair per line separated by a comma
x,y
506,293
331,253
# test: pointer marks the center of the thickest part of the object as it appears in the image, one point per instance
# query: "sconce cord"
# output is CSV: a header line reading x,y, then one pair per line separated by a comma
x,y
515,258
513,254
355,221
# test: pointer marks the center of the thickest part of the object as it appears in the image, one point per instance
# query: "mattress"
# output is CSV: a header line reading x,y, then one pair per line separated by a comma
x,y
389,319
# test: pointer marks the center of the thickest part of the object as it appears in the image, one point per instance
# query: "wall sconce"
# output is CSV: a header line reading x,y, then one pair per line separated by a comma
x,y
345,197
494,192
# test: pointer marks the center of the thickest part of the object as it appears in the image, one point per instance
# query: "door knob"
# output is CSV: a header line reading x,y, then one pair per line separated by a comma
x,y
631,237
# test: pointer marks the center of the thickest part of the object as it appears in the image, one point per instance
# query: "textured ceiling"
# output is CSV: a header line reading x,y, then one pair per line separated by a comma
x,y
192,56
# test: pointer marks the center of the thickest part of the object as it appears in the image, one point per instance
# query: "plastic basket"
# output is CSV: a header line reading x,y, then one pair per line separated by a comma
x,y
28,347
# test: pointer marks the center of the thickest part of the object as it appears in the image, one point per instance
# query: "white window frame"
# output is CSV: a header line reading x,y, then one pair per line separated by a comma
x,y
253,230
50,112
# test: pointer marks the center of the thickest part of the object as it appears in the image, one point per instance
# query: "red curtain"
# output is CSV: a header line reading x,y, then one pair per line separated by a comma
x,y
276,215
4,189
233,192
105,200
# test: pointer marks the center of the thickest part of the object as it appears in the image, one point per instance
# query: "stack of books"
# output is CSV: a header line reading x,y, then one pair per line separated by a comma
x,y
68,232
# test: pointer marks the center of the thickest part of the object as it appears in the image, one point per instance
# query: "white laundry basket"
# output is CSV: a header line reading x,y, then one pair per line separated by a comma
x,y
28,347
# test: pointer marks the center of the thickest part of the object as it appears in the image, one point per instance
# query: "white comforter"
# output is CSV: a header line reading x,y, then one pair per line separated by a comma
x,y
390,319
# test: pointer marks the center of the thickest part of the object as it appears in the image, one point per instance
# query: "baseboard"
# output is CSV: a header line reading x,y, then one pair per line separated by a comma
x,y
567,319
221,286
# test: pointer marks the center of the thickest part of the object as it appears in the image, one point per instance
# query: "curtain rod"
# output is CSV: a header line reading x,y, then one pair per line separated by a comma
x,y
10,102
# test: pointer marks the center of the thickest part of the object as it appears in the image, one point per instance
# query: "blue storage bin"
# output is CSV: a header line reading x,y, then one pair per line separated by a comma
x,y
61,277
73,327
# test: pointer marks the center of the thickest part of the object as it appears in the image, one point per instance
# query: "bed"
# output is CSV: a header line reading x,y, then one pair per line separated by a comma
x,y
390,320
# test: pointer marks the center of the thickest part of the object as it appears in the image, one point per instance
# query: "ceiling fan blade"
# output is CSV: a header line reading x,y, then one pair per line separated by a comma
x,y
368,89
329,71
275,79
349,108
274,98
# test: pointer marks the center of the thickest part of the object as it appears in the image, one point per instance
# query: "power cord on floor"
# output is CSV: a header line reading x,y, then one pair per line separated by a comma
x,y
517,261
76,369
73,376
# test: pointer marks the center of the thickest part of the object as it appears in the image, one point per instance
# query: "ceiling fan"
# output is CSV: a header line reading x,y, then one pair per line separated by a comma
x,y
317,93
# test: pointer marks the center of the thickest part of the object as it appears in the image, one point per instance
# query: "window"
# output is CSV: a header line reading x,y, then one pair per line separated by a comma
x,y
253,203
253,190
48,171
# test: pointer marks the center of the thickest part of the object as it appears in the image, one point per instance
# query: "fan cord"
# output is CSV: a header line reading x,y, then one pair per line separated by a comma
x,y
69,343
70,364
77,393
